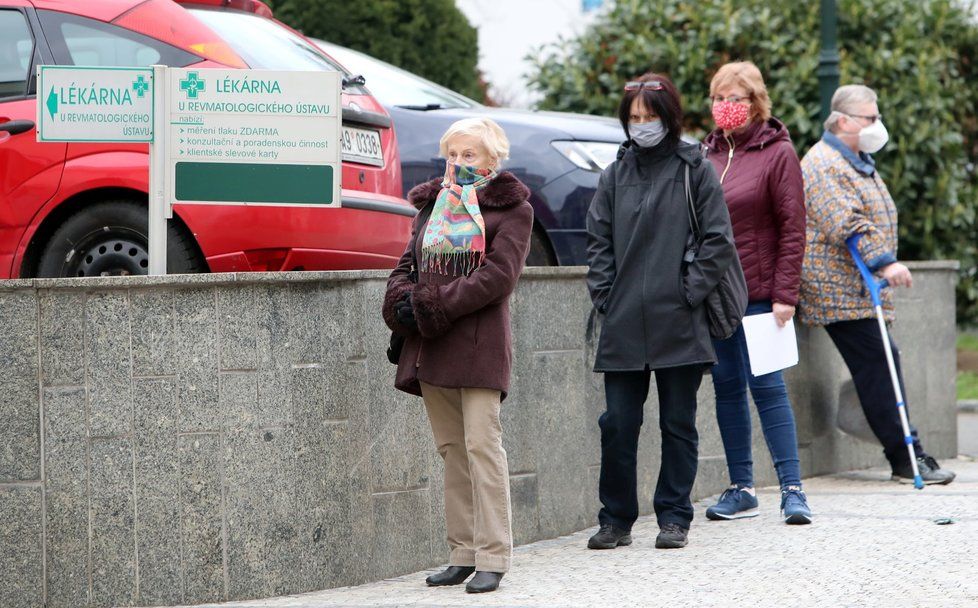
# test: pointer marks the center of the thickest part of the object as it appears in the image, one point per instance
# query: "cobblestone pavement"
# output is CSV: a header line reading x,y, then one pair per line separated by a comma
x,y
873,544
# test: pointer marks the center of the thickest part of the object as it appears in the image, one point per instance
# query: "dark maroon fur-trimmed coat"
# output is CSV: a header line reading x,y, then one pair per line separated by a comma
x,y
463,338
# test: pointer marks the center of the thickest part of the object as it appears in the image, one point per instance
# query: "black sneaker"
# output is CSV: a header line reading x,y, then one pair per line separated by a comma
x,y
671,536
930,471
609,537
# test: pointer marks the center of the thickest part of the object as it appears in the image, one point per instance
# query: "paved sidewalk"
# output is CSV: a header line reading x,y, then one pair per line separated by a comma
x,y
873,543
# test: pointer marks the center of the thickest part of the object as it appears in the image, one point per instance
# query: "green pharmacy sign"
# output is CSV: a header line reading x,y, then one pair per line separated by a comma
x,y
88,104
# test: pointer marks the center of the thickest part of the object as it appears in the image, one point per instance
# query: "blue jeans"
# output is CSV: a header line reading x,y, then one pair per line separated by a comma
x,y
731,377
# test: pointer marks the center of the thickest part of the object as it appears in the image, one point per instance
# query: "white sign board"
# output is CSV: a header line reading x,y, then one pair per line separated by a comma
x,y
253,137
87,104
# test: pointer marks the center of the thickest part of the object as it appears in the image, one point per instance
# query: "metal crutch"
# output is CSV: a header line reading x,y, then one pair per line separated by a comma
x,y
875,286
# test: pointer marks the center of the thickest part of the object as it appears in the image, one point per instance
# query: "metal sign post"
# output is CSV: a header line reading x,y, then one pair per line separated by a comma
x,y
159,208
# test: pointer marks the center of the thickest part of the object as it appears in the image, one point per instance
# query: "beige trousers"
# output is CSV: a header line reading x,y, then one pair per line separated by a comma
x,y
465,423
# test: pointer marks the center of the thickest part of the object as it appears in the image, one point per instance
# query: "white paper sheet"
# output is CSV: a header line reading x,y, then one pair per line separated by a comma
x,y
770,348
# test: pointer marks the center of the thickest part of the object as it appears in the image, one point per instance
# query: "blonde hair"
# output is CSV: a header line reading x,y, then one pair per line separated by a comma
x,y
747,76
492,135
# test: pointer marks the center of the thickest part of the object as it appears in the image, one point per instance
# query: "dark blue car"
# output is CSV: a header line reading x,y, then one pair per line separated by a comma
x,y
558,156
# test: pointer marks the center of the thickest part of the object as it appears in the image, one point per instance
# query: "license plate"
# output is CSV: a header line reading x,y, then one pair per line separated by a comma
x,y
362,146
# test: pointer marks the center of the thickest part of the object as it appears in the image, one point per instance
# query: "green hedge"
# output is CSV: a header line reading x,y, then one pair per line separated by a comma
x,y
431,38
920,56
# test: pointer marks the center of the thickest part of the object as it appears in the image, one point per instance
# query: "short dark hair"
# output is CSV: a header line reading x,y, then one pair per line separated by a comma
x,y
666,103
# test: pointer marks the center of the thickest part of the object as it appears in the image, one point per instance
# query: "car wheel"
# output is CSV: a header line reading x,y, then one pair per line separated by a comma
x,y
540,254
109,239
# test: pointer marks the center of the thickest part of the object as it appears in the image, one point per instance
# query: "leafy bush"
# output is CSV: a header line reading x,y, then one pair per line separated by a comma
x,y
921,57
431,38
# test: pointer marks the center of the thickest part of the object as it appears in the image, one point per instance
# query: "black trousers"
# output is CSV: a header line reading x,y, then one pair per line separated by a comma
x,y
861,346
625,393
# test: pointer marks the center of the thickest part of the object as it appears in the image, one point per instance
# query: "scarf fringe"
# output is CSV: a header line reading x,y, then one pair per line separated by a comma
x,y
456,263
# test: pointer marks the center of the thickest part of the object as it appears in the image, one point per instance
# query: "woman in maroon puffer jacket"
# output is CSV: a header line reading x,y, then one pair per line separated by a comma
x,y
763,187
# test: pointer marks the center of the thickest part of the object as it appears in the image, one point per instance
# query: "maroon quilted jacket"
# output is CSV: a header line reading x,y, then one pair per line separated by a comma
x,y
765,194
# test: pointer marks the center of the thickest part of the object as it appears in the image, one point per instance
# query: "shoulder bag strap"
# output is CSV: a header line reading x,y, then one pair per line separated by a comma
x,y
690,209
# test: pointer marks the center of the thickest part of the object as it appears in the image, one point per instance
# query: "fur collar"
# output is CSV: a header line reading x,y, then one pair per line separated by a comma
x,y
504,191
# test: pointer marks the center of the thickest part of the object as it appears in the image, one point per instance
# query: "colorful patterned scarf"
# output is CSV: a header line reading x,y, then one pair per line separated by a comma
x,y
455,241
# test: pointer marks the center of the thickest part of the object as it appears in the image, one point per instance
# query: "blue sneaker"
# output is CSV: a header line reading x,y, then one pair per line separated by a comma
x,y
734,503
794,506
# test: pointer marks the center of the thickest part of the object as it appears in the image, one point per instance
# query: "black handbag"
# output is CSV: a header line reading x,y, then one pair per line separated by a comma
x,y
397,340
727,302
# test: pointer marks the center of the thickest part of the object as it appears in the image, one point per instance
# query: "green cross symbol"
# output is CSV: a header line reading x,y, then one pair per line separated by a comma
x,y
140,86
192,85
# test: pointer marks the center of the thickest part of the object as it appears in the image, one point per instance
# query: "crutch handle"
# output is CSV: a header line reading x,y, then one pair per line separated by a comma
x,y
874,284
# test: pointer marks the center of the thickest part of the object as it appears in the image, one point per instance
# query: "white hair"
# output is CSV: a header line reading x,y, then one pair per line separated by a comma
x,y
492,135
844,103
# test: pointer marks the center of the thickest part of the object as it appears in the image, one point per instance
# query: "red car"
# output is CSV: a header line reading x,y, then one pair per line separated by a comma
x,y
79,209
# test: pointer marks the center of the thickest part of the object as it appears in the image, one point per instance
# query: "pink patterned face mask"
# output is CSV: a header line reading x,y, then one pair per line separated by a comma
x,y
730,116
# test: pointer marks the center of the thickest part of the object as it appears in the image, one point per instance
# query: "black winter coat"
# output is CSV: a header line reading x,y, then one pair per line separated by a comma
x,y
638,227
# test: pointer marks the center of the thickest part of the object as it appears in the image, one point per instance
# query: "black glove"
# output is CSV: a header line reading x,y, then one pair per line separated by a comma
x,y
404,311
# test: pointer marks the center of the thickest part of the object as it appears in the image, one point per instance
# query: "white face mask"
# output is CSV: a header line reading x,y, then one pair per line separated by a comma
x,y
647,134
874,137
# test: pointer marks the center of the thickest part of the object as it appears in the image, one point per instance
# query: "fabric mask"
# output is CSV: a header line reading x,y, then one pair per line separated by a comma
x,y
464,175
873,138
730,116
647,134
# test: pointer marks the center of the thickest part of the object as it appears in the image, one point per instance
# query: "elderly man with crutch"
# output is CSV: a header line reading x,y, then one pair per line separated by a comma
x,y
852,222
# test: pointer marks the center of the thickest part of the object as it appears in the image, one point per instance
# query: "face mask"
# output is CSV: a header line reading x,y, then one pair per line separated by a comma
x,y
730,116
464,175
647,134
873,138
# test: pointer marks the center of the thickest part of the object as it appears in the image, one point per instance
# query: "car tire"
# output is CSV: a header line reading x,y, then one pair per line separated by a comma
x,y
540,254
110,239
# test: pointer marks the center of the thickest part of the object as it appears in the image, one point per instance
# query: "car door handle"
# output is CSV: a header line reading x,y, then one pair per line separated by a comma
x,y
16,126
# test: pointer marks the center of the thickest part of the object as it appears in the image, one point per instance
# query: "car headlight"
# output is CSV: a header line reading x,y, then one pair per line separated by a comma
x,y
588,155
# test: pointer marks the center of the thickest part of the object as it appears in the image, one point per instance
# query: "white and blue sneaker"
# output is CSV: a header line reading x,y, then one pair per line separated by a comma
x,y
734,503
794,506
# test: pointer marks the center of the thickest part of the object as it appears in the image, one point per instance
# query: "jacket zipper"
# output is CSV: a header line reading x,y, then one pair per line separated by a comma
x,y
729,158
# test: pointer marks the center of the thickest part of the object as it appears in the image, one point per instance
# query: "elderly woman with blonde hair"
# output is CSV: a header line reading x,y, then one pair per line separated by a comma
x,y
449,297
762,185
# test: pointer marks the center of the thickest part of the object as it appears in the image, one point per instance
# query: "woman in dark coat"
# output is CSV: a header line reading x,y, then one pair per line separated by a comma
x,y
652,302
764,190
468,246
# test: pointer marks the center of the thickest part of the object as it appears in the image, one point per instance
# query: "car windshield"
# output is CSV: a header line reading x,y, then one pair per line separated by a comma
x,y
393,86
263,43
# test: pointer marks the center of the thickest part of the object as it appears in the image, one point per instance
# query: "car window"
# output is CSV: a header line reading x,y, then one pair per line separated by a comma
x,y
393,86
263,43
76,40
16,49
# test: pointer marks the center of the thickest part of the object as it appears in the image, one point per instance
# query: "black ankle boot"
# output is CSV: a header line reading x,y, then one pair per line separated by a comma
x,y
452,575
484,582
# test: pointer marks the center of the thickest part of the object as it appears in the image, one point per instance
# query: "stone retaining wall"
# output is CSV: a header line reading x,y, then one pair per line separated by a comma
x,y
186,439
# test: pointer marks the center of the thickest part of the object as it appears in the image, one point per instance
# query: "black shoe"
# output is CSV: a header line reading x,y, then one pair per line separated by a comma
x,y
671,536
930,472
452,575
609,537
484,582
